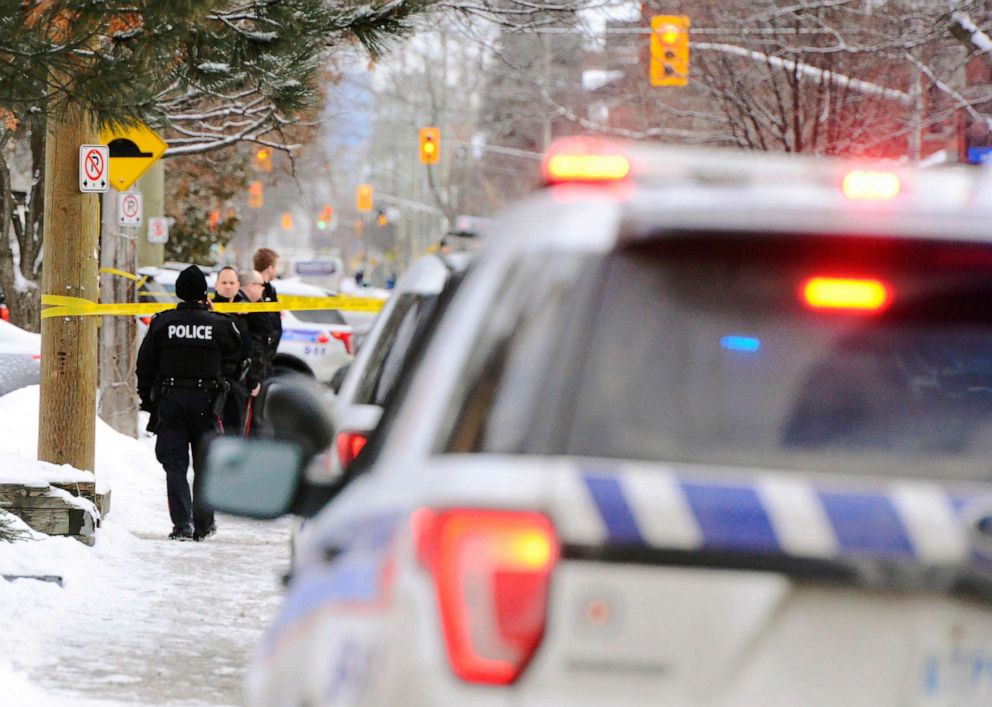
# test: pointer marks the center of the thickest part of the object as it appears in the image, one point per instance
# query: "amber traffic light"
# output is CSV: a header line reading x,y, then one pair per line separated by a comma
x,y
263,159
430,145
363,197
255,198
669,50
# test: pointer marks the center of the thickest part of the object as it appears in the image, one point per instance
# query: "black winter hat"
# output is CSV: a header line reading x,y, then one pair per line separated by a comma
x,y
191,285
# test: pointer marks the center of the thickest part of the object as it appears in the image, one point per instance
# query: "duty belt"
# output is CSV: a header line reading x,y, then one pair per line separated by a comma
x,y
193,383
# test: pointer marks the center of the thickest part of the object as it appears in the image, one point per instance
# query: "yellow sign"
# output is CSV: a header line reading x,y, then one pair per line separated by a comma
x,y
133,150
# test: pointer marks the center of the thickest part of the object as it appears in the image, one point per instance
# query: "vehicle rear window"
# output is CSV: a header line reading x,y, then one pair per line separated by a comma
x,y
707,351
320,316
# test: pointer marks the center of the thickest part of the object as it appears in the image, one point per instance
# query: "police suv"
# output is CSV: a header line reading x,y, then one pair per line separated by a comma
x,y
698,428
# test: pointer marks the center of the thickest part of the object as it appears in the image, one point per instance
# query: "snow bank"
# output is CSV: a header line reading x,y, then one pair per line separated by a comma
x,y
138,506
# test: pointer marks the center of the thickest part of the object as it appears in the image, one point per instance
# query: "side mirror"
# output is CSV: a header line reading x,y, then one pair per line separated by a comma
x,y
295,410
255,478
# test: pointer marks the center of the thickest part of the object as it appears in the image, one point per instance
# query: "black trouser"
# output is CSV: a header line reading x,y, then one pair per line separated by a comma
x,y
235,409
185,421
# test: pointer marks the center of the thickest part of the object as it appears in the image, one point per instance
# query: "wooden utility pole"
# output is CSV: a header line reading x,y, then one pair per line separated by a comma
x,y
67,424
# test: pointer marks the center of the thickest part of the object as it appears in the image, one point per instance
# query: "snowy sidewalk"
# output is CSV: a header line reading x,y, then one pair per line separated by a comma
x,y
140,620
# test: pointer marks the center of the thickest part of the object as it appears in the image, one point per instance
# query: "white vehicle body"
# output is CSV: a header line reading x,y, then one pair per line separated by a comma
x,y
433,578
20,355
316,342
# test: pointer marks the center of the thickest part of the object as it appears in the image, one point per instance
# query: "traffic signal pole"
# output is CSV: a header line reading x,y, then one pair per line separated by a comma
x,y
67,415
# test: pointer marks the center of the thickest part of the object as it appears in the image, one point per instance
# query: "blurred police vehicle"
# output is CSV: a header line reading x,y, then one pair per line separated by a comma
x,y
368,382
314,342
698,428
371,377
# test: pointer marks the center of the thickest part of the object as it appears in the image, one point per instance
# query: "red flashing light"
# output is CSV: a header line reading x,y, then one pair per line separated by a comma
x,y
492,571
847,294
866,185
582,159
345,338
350,445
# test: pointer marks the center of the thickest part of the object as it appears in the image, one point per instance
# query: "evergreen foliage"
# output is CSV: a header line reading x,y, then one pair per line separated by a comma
x,y
124,60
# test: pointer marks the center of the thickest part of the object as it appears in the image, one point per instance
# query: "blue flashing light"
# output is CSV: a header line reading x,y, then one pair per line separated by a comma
x,y
748,344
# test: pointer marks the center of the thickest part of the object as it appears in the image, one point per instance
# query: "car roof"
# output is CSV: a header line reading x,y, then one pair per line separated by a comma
x,y
674,190
427,275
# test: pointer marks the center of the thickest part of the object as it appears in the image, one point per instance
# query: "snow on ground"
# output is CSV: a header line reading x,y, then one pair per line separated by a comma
x,y
140,619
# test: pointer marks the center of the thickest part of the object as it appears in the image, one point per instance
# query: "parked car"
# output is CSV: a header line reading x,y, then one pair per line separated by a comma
x,y
317,342
698,428
20,357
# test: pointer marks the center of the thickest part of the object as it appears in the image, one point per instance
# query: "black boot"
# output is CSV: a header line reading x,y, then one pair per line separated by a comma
x,y
181,533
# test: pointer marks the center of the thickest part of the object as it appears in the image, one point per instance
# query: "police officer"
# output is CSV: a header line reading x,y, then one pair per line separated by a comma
x,y
180,381
266,262
260,326
243,381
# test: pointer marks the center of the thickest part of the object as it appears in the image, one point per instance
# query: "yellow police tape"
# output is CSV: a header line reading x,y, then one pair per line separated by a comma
x,y
62,306
130,276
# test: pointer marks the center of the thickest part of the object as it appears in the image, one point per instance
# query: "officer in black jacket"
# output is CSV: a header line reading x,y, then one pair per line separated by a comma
x,y
180,379
244,383
266,263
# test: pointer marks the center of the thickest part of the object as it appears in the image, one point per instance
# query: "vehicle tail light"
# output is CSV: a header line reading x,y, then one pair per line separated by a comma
x,y
5,314
350,445
145,320
864,185
845,293
492,571
583,159
345,338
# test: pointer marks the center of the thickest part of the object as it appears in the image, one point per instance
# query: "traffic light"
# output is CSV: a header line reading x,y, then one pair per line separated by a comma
x,y
255,199
669,50
263,159
382,219
430,145
287,221
326,215
363,197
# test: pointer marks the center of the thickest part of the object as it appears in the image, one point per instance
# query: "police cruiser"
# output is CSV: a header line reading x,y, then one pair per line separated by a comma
x,y
698,428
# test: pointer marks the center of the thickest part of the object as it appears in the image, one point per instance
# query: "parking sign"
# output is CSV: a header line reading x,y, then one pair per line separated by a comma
x,y
158,230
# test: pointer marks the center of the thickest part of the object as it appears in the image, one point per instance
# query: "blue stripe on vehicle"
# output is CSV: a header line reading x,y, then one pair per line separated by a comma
x,y
613,508
731,517
299,335
866,523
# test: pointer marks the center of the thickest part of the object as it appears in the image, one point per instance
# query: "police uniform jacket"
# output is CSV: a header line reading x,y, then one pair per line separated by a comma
x,y
247,346
189,342
269,295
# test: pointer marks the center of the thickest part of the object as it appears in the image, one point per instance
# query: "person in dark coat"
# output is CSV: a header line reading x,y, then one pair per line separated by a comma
x,y
266,263
264,336
180,380
227,288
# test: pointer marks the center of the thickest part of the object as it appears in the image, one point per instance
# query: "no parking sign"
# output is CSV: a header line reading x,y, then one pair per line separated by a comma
x,y
129,208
